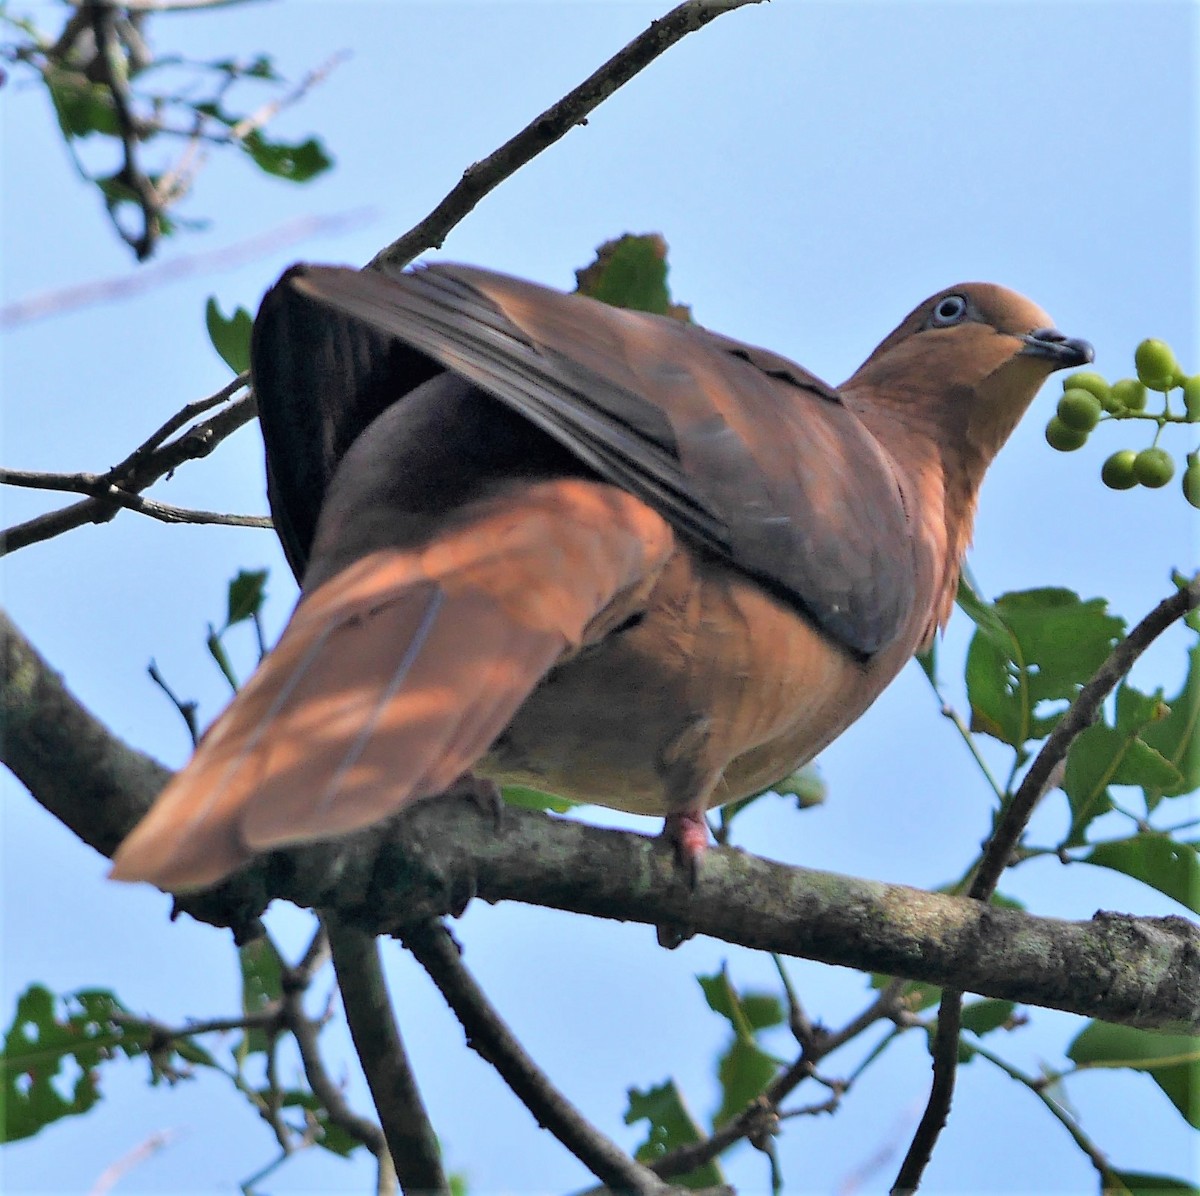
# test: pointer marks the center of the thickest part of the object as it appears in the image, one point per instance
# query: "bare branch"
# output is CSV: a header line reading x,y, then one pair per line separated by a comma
x,y
545,130
99,487
115,1172
1137,971
272,108
1109,1181
759,1118
414,1147
179,420
196,442
937,1110
306,1031
83,774
101,13
490,1037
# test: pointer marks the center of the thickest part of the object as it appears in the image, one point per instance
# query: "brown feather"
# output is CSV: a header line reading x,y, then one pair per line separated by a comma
x,y
396,674
595,551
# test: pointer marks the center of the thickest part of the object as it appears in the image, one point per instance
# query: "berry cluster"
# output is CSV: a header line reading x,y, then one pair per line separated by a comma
x,y
1088,398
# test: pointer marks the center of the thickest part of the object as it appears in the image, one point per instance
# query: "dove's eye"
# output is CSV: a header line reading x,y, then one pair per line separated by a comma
x,y
949,310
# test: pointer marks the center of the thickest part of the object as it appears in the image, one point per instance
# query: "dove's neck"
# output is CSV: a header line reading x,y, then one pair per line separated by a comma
x,y
940,474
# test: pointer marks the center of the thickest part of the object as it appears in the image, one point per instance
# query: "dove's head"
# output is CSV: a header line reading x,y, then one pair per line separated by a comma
x,y
969,360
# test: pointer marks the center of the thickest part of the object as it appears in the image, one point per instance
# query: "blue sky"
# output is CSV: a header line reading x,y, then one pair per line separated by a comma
x,y
817,170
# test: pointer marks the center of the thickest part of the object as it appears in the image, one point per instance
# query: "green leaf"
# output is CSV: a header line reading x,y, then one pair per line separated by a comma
x,y
246,593
262,988
1138,1182
334,1138
298,162
1176,734
744,1071
806,785
1172,1060
525,798
216,650
230,337
1102,756
1168,865
258,68
914,996
747,1013
982,1017
631,272
116,191
49,1039
671,1125
82,107
928,660
1032,648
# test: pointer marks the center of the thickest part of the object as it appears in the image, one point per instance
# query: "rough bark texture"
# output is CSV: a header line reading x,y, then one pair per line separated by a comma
x,y
436,857
72,764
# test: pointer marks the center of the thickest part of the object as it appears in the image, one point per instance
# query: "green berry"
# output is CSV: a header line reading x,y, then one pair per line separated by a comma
x,y
1063,437
1156,364
1129,394
1191,484
1191,397
1090,381
1117,472
1154,467
1079,409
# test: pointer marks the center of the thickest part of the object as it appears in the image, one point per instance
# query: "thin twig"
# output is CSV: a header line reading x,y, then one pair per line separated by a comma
x,y
1108,1180
999,852
544,130
180,419
164,1035
115,1172
886,1005
316,955
306,1031
197,441
272,108
757,1118
99,486
411,1141
488,1035
168,513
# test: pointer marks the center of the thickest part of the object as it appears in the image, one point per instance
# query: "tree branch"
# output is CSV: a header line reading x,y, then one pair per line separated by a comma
x,y
490,1037
146,468
549,127
150,201
999,851
413,1145
98,487
74,766
432,859
476,182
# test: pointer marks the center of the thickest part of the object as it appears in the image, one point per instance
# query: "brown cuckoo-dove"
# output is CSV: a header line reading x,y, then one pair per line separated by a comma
x,y
601,553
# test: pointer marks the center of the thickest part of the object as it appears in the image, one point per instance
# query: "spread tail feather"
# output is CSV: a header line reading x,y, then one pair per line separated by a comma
x,y
392,678
374,697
